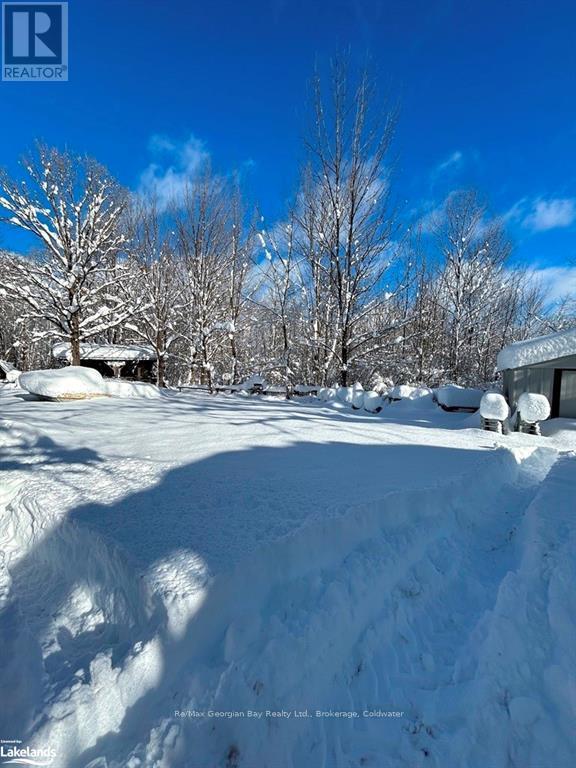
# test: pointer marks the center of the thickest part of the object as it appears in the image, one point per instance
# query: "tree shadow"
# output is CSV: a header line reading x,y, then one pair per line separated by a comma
x,y
216,536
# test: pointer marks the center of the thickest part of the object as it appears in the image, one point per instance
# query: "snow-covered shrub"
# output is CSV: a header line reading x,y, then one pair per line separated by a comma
x,y
70,383
133,389
380,384
494,406
401,392
533,407
345,395
372,402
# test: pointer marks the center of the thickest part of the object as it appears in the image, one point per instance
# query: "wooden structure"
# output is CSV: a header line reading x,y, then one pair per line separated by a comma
x,y
545,365
134,362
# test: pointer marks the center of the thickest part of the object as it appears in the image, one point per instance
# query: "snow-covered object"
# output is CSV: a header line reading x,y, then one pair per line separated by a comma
x,y
70,383
420,392
537,350
326,393
105,352
401,392
494,406
133,389
345,395
357,396
453,396
251,382
305,389
533,407
372,402
12,376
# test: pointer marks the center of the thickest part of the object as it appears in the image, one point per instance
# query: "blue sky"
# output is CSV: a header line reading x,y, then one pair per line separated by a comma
x,y
486,92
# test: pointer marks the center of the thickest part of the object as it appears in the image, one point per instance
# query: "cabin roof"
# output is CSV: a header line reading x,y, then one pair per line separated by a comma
x,y
120,353
537,350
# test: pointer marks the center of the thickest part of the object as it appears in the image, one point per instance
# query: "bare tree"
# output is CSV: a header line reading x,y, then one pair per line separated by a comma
x,y
74,208
346,210
155,284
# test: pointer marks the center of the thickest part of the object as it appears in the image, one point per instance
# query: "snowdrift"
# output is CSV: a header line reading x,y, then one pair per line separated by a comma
x,y
132,389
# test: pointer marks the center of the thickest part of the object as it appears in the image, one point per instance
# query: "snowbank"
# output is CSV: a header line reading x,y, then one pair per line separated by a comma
x,y
537,350
135,389
454,397
494,406
71,383
533,407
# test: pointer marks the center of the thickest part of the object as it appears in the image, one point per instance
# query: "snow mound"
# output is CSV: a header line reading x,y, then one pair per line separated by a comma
x,y
357,396
134,389
372,402
71,383
345,395
326,393
453,396
533,407
401,392
537,350
494,406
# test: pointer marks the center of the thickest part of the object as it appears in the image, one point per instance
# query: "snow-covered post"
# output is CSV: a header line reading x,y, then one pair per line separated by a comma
x,y
532,409
494,411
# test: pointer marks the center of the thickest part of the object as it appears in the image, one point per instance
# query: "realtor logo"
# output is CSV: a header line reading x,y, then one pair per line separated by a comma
x,y
35,42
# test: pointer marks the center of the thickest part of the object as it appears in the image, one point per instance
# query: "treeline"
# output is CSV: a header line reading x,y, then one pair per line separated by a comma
x,y
343,289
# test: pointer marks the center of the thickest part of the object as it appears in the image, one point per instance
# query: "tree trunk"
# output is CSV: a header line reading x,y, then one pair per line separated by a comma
x,y
75,339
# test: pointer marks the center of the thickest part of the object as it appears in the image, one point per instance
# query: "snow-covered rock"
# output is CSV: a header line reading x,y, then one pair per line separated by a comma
x,y
494,406
372,402
134,389
453,396
533,407
70,383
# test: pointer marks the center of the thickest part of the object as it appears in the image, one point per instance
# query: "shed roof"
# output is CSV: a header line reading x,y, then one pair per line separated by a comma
x,y
106,352
537,350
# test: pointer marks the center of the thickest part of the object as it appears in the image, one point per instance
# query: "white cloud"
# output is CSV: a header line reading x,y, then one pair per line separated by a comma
x,y
558,282
550,214
174,167
452,162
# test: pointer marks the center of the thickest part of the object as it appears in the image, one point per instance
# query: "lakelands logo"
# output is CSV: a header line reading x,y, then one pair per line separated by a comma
x,y
13,754
35,42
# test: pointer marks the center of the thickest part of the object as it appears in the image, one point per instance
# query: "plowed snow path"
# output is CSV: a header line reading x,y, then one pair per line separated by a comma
x,y
198,553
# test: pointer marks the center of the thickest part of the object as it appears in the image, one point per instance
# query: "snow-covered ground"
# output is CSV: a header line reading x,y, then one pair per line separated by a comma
x,y
170,565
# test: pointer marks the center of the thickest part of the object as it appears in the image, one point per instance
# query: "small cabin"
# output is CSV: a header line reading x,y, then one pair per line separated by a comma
x,y
127,361
545,365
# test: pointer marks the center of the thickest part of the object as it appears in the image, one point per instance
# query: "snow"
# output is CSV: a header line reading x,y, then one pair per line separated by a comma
x,y
537,350
136,389
494,406
453,396
168,558
12,376
401,392
105,352
63,383
372,402
533,407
